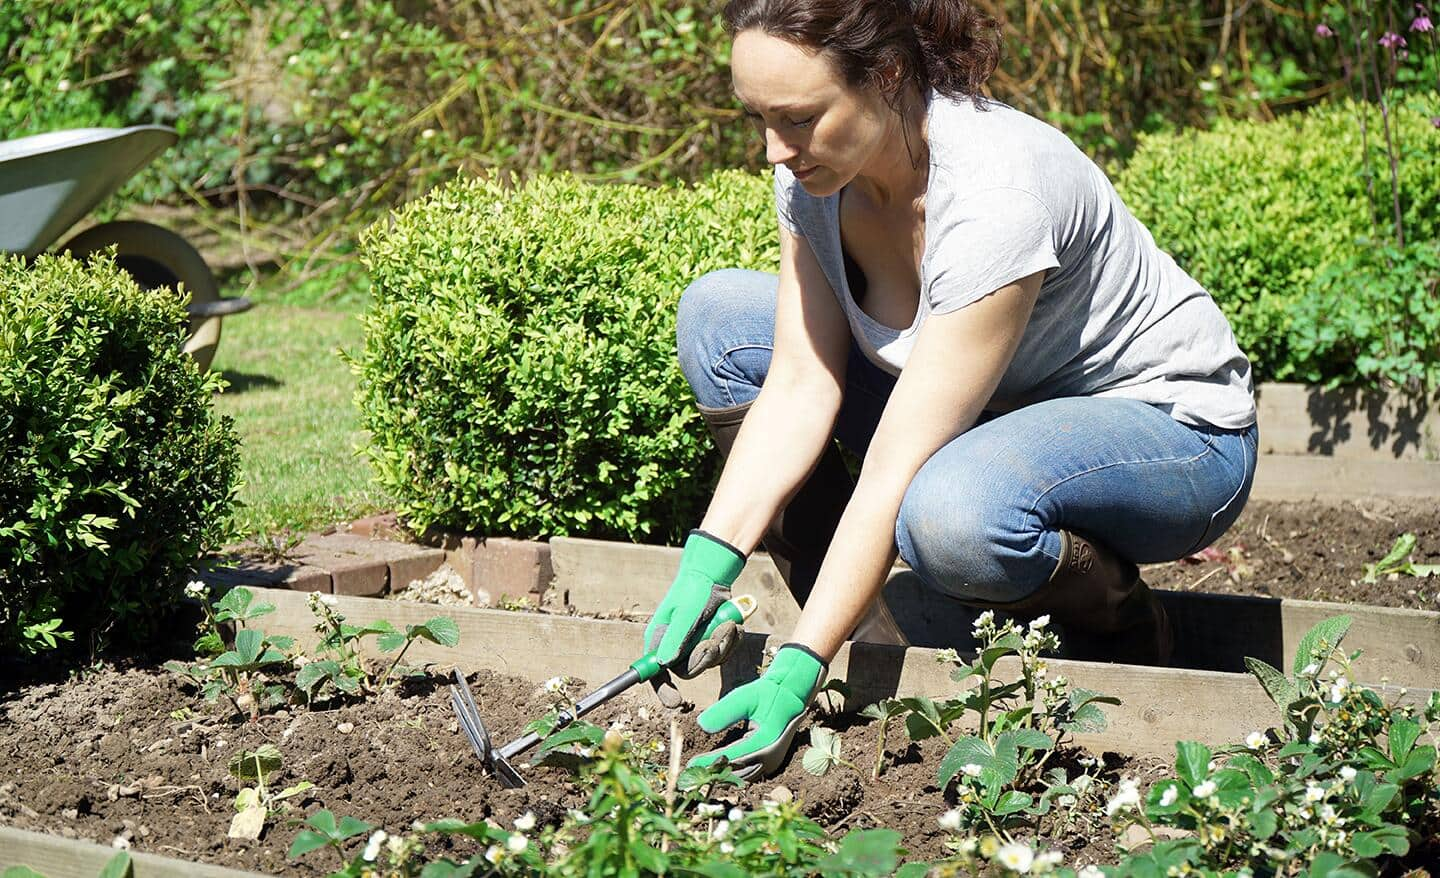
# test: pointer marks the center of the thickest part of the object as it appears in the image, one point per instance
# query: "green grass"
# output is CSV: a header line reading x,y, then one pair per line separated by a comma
x,y
292,401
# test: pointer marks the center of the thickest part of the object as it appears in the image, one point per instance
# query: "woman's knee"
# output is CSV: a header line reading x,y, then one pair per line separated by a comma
x,y
724,330
970,544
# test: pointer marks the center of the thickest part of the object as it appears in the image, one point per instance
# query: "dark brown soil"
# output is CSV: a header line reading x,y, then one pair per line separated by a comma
x,y
105,756
1315,551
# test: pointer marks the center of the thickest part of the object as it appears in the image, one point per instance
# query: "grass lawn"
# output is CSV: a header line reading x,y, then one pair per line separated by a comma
x,y
291,398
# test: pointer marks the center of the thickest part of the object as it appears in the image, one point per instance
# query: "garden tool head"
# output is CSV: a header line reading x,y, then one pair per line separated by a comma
x,y
474,729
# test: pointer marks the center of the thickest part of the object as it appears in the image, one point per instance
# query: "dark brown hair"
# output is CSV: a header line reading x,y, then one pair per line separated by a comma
x,y
948,45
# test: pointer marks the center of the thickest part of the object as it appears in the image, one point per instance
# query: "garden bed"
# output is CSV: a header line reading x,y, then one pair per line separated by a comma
x,y
130,756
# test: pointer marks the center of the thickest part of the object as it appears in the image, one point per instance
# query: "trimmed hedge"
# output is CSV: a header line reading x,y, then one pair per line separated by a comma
x,y
519,373
1259,212
114,472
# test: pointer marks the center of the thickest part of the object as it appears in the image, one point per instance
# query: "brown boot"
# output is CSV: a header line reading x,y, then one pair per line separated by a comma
x,y
800,535
1108,612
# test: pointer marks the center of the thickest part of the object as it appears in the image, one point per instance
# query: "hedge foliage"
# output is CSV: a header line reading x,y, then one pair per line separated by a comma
x,y
314,114
1267,215
114,472
519,373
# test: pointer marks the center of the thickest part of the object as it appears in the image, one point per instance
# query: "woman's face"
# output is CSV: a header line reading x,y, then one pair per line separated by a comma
x,y
824,131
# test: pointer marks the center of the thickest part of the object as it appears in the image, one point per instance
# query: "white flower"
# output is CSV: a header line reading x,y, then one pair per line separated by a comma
x,y
971,769
1168,797
727,848
968,845
1337,691
1205,789
1314,737
427,134
1065,801
984,619
721,830
494,853
736,815
525,822
63,85
1310,670
1048,860
1314,792
395,845
1347,773
1091,872
195,589
950,820
1128,797
372,847
1039,622
554,685
329,600
1327,813
1015,857
707,809
517,843
1255,740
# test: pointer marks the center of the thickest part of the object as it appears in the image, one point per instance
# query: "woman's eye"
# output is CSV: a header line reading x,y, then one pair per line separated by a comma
x,y
802,123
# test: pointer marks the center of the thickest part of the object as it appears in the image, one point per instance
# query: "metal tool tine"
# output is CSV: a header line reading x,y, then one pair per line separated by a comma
x,y
469,715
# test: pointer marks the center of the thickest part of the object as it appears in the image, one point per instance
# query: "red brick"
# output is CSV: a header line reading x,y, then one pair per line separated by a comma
x,y
500,566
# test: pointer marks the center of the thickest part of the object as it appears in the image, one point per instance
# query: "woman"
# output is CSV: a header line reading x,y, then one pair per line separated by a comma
x,y
1042,398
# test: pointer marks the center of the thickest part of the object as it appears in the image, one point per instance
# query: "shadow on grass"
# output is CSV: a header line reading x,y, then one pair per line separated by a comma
x,y
243,381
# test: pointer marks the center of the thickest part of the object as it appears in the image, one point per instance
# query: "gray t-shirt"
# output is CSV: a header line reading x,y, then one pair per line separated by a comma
x,y
1008,195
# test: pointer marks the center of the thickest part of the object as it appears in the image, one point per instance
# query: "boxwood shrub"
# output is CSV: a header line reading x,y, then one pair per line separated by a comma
x,y
518,374
114,471
1263,214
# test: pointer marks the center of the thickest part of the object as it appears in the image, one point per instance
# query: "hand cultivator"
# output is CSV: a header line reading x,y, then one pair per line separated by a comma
x,y
497,760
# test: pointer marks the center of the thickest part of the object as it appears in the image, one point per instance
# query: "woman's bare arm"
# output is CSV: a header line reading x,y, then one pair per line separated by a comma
x,y
958,361
789,423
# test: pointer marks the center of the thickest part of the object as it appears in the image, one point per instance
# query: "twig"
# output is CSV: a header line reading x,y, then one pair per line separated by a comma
x,y
1191,586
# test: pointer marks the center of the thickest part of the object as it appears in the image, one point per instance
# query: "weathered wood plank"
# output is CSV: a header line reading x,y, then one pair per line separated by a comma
x,y
1213,632
1347,422
1310,477
56,857
1160,705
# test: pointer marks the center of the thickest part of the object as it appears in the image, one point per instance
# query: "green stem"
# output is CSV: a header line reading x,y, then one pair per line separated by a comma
x,y
385,678
880,751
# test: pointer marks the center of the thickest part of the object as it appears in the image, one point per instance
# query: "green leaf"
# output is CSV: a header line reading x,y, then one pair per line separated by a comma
x,y
441,630
248,643
315,673
824,751
575,733
1192,761
1403,734
118,866
250,765
351,827
1012,801
1317,643
1032,739
864,852
324,820
392,641
307,840
1280,688
1420,761
1391,839
21,872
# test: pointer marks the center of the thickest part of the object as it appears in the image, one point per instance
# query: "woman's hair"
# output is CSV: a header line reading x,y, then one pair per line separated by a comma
x,y
948,45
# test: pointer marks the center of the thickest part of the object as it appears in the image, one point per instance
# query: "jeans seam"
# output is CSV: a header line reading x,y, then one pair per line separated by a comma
x,y
715,366
1033,515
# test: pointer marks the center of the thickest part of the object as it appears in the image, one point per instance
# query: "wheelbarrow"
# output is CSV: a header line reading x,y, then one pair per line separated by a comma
x,y
49,181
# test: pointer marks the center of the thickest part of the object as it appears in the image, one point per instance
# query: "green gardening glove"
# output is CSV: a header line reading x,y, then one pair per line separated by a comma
x,y
708,567
773,705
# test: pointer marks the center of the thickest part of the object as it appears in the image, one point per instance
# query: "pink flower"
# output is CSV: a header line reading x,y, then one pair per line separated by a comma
x,y
1323,30
1392,40
1422,24
1435,120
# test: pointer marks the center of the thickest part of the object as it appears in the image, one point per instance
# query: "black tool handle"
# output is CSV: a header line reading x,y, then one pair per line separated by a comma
x,y
582,707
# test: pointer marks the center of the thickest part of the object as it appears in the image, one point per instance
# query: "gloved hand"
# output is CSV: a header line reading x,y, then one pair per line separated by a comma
x,y
708,567
773,704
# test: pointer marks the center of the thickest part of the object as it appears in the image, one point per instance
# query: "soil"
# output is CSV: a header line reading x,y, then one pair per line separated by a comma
x,y
124,763
1317,551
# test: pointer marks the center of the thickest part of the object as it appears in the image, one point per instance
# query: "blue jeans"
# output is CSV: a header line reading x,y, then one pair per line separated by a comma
x,y
982,518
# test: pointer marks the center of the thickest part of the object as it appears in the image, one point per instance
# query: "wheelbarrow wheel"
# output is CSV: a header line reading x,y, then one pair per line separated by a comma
x,y
157,257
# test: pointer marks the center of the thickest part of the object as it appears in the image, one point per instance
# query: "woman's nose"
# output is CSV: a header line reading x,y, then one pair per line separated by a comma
x,y
777,151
